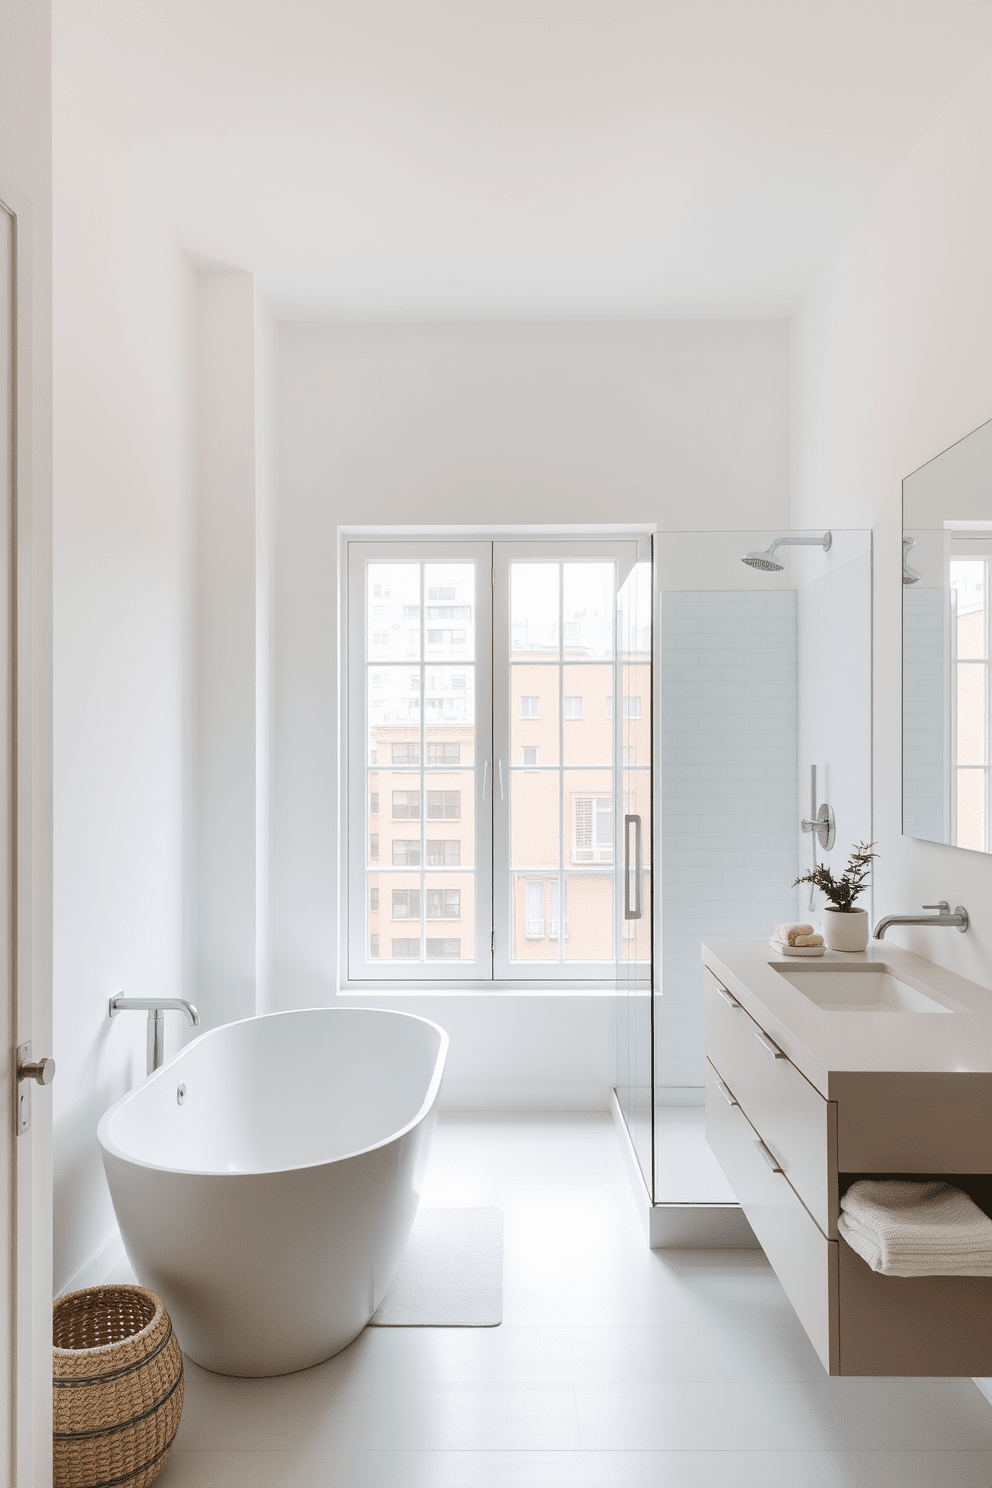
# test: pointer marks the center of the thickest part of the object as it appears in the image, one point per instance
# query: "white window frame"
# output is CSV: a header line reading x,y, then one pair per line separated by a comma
x,y
492,969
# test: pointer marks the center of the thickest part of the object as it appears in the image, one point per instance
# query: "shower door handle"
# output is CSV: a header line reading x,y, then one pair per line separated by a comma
x,y
632,907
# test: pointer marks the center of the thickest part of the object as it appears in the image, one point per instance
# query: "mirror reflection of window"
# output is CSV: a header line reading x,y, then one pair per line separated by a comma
x,y
969,582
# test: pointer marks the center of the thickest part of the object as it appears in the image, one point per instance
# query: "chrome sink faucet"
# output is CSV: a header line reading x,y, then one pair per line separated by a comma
x,y
958,920
156,1008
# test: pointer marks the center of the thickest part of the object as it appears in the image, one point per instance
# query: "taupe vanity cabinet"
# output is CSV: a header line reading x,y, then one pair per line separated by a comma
x,y
801,1101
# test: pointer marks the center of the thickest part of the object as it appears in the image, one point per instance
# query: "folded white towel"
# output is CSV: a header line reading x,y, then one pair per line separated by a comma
x,y
788,933
795,950
916,1229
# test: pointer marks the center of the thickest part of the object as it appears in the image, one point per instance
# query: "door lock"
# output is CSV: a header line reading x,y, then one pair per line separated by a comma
x,y
42,1071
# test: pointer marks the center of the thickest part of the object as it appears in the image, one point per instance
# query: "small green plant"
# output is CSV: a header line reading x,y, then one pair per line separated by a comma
x,y
843,891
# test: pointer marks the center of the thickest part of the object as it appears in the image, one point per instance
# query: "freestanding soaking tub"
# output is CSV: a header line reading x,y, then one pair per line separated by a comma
x,y
265,1180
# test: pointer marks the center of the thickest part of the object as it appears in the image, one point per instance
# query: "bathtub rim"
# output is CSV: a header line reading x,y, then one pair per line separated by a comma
x,y
108,1145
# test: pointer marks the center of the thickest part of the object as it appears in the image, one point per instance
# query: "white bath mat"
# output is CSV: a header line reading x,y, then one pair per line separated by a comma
x,y
451,1273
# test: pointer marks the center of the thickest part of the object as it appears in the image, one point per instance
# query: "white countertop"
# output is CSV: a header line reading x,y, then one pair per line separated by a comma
x,y
821,1043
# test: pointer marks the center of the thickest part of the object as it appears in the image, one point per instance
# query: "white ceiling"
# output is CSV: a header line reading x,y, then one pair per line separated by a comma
x,y
510,158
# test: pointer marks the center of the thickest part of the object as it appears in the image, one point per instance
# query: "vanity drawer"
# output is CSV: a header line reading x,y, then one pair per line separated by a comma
x,y
803,1259
795,1121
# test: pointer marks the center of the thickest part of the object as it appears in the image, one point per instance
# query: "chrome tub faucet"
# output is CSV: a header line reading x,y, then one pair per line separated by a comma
x,y
956,920
156,1008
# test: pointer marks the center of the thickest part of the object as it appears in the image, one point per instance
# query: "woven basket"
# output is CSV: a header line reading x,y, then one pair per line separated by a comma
x,y
118,1378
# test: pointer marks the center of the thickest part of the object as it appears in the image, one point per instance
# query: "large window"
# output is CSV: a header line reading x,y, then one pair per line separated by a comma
x,y
482,766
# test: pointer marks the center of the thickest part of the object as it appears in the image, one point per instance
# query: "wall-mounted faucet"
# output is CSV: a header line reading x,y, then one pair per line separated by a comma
x,y
956,921
156,1008
821,826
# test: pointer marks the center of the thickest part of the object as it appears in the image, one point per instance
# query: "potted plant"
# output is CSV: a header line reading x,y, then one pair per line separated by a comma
x,y
845,927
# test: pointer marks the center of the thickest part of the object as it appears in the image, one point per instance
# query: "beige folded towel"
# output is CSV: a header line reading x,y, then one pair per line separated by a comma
x,y
788,933
807,940
916,1229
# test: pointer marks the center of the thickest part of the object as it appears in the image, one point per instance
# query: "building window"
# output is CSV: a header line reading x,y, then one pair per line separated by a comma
x,y
373,945
444,754
404,755
406,805
406,949
444,805
373,803
444,904
535,909
406,852
443,852
529,754
530,707
571,707
406,904
443,950
373,901
592,829
373,847
632,707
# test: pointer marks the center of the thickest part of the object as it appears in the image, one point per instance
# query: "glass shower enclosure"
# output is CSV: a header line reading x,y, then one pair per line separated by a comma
x,y
734,681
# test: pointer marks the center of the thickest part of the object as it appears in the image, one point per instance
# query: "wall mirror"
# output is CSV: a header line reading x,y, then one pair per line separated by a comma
x,y
946,692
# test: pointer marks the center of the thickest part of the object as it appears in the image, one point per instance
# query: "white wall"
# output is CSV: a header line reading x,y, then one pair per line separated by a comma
x,y
227,649
679,424
123,304
891,365
833,619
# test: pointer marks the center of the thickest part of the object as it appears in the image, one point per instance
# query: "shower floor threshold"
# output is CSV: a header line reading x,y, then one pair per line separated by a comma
x,y
696,1208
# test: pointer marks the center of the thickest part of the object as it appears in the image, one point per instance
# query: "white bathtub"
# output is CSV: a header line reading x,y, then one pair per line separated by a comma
x,y
269,1201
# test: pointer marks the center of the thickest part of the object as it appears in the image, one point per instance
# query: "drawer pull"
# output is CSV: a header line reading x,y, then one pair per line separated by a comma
x,y
769,1044
769,1157
728,997
727,1093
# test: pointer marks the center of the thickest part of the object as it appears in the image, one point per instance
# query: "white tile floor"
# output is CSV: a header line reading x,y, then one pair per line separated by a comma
x,y
615,1366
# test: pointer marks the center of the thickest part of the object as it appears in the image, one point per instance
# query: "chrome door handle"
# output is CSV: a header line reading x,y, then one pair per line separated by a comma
x,y
727,1093
728,997
41,1070
28,1069
635,910
769,1044
769,1157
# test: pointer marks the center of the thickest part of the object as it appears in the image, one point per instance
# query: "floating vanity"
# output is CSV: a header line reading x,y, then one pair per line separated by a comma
x,y
824,1070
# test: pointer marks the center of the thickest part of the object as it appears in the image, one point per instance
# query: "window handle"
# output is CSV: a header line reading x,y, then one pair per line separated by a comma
x,y
499,773
632,875
485,781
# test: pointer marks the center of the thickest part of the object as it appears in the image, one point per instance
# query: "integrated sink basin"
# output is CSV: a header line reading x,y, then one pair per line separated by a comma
x,y
865,988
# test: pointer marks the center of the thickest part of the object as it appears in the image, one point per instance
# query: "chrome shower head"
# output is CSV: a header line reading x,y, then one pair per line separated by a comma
x,y
767,561
909,575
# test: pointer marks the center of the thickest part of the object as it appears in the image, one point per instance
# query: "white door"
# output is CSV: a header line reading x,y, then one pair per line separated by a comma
x,y
25,935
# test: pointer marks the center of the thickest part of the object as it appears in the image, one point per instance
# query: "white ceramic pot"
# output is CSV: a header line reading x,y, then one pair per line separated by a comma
x,y
845,930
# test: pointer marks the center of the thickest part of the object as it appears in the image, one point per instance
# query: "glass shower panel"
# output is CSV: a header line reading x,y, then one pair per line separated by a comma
x,y
632,713
762,672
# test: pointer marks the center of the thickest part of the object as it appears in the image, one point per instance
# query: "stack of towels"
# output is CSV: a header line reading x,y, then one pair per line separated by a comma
x,y
797,940
916,1229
